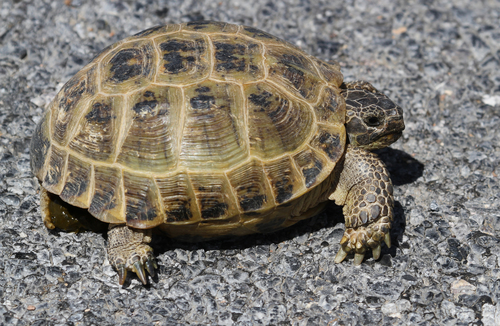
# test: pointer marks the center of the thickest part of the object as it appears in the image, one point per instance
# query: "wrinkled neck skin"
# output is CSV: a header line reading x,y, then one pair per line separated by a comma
x,y
373,121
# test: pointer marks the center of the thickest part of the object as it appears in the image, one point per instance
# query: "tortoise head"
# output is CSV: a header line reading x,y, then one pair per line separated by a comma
x,y
373,121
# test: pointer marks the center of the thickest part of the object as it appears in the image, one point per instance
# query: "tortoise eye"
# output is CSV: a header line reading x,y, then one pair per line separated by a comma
x,y
373,121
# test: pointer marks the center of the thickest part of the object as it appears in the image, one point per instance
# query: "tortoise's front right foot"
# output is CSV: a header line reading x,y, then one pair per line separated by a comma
x,y
364,237
128,250
366,192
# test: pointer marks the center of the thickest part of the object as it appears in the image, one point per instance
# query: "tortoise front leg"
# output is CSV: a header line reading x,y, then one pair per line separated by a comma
x,y
128,250
365,190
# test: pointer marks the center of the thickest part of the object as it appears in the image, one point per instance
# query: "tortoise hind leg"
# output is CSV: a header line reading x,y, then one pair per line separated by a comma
x,y
128,250
44,208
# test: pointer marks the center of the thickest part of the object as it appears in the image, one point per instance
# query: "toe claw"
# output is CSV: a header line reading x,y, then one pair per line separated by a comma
x,y
141,274
122,273
387,239
376,252
358,258
344,240
341,254
150,266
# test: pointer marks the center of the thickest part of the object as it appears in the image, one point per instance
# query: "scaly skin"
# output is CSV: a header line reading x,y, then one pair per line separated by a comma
x,y
128,249
365,191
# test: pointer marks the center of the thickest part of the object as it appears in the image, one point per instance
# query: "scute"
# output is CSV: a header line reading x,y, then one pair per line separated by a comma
x,y
78,182
184,58
129,66
313,166
107,200
277,122
177,197
40,145
330,140
74,97
53,180
330,108
151,129
250,186
214,196
158,30
262,36
142,208
284,178
213,137
293,70
237,58
97,130
210,27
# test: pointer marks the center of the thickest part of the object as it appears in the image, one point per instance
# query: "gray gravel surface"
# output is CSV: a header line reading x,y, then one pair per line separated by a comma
x,y
440,60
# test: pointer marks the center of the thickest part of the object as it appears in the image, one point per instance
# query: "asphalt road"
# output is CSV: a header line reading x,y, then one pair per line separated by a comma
x,y
440,60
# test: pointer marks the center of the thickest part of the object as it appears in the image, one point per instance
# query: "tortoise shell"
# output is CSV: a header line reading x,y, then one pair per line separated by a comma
x,y
212,127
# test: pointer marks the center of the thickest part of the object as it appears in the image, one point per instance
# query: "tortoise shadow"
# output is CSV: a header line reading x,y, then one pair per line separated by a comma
x,y
404,169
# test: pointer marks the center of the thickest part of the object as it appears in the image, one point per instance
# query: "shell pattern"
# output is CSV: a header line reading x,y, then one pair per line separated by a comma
x,y
192,123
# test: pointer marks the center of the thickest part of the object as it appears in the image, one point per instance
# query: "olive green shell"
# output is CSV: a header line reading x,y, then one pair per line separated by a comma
x,y
193,124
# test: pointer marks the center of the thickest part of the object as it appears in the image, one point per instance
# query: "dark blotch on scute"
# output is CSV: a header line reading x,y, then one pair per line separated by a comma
x,y
296,77
213,211
145,107
175,45
252,203
120,67
201,102
103,198
144,214
149,94
260,99
174,58
330,145
225,55
288,59
55,169
197,25
258,33
111,204
311,173
100,113
179,214
285,191
73,91
75,188
203,89
39,147
149,31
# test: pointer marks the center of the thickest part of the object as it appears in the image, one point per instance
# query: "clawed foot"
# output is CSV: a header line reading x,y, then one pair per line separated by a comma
x,y
362,238
128,250
137,267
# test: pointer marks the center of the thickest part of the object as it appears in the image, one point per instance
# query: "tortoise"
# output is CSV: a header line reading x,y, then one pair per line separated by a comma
x,y
205,130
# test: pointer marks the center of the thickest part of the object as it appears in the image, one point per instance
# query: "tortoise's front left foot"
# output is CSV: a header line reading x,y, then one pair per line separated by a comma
x,y
128,250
